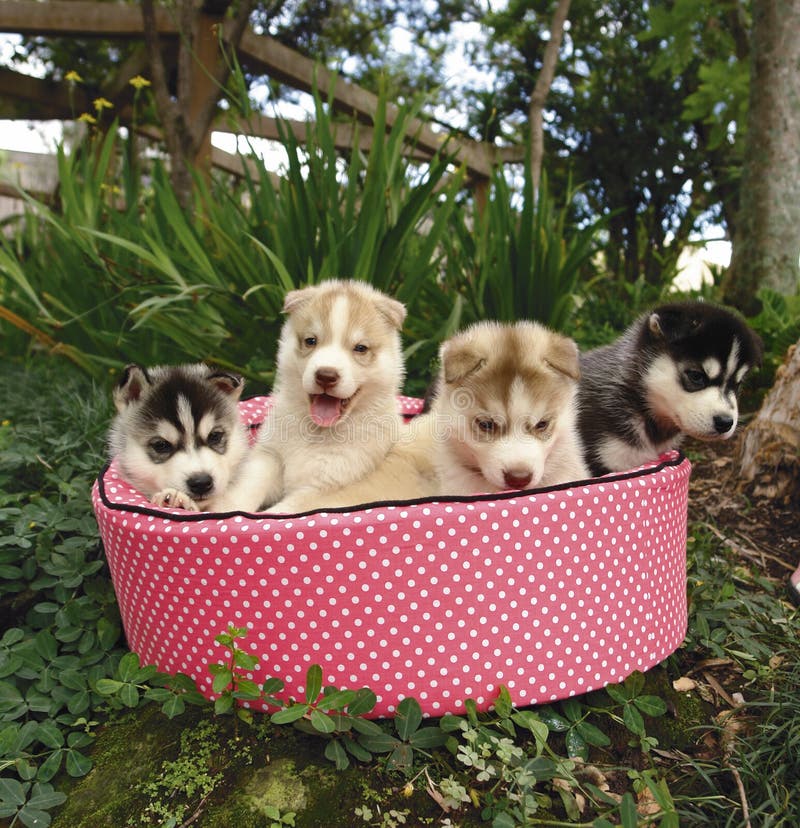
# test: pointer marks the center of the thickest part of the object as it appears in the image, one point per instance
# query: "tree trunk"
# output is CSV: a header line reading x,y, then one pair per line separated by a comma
x,y
769,457
187,113
540,91
766,245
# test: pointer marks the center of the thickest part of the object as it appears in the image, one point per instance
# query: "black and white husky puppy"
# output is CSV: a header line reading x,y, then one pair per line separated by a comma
x,y
675,371
177,436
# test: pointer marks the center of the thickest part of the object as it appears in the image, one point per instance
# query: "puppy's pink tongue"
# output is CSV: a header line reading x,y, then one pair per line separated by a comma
x,y
325,410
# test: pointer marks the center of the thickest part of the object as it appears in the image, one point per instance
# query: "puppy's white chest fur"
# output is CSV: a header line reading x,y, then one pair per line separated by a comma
x,y
323,459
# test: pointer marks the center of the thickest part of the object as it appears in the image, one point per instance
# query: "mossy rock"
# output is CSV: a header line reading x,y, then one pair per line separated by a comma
x,y
151,771
686,714
128,753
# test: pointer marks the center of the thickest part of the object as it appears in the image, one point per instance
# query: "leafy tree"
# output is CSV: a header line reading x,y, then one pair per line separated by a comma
x,y
705,46
357,39
612,123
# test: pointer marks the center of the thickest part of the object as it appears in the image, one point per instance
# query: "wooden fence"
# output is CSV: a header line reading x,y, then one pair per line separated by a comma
x,y
22,96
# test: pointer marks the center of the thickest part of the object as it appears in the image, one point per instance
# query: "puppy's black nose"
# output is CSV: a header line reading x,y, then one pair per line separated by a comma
x,y
326,377
200,484
723,423
517,479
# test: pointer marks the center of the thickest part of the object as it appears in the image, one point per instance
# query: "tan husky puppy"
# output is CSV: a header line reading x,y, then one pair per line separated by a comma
x,y
505,412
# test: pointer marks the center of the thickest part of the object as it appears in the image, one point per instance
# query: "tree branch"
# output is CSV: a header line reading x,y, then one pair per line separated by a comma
x,y
542,88
187,27
167,108
231,37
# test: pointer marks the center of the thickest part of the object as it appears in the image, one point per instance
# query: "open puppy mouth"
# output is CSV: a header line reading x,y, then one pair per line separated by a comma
x,y
327,410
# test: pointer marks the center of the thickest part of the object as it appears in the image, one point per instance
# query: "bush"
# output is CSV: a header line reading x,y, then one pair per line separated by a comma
x,y
116,272
521,263
122,274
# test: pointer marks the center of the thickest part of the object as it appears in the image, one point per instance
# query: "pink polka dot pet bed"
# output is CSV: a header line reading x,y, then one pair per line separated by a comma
x,y
551,593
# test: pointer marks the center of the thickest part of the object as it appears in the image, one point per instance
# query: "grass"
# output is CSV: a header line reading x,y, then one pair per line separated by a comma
x,y
61,640
158,283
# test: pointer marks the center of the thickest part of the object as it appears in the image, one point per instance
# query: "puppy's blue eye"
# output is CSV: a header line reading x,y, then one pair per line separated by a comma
x,y
539,427
310,341
161,446
360,348
694,379
216,437
487,426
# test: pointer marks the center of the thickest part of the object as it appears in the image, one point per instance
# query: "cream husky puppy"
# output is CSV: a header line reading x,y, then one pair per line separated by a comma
x,y
504,415
334,418
406,473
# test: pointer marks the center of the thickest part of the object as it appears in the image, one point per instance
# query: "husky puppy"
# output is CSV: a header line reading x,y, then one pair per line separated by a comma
x,y
406,473
177,436
334,418
504,413
675,371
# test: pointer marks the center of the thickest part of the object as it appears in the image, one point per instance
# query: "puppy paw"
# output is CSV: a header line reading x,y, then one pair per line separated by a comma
x,y
174,499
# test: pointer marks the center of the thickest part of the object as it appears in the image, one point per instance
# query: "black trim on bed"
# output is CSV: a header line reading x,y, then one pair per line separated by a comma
x,y
362,507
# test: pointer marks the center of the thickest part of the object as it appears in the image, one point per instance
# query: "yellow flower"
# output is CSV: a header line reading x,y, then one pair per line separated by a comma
x,y
139,82
73,77
6,423
87,118
102,103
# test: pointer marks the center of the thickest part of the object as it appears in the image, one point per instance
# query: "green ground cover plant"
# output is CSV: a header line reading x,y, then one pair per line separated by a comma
x,y
60,625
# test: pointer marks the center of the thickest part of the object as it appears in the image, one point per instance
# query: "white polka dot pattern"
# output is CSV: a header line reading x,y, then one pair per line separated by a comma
x,y
551,594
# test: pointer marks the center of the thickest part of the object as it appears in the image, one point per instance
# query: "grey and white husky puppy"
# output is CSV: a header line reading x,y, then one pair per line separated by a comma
x,y
675,371
177,436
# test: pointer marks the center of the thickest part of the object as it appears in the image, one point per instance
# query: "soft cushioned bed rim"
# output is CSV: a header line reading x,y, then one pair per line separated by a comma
x,y
671,461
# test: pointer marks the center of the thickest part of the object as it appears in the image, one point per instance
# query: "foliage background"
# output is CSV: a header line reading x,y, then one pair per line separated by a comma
x,y
118,272
647,112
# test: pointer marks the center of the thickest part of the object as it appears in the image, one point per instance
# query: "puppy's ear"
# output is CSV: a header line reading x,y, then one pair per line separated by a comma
x,y
393,310
672,324
756,347
562,355
459,360
295,298
132,385
656,324
228,383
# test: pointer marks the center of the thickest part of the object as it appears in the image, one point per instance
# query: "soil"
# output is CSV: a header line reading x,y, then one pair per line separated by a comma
x,y
764,532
